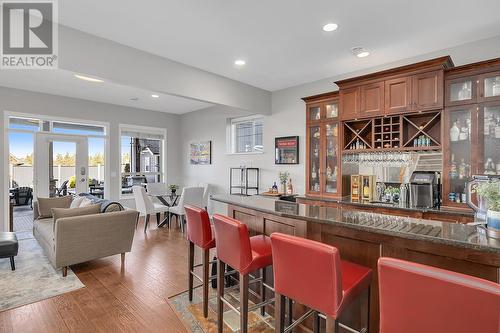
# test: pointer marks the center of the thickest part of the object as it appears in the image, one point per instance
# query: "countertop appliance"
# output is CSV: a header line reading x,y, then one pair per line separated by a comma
x,y
425,189
475,201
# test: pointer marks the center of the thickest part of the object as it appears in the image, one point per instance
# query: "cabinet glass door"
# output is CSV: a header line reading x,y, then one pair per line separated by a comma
x,y
314,112
492,86
332,110
461,91
331,154
314,160
490,140
457,158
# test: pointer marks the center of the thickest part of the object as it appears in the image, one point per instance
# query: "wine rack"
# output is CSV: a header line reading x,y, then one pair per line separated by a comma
x,y
422,131
358,135
387,132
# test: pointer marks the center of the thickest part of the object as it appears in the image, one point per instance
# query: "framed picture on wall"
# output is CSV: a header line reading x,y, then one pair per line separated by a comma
x,y
286,150
200,153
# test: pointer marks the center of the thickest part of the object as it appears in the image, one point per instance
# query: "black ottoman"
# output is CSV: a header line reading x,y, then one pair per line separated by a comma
x,y
8,247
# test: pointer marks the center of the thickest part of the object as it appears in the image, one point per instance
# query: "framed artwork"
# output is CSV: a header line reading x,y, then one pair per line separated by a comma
x,y
286,150
200,153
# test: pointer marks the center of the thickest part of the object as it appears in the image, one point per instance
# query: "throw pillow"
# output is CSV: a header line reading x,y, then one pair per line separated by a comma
x,y
85,202
45,205
59,213
77,201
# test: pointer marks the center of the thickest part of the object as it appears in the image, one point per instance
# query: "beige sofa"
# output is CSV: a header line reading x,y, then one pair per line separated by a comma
x,y
78,239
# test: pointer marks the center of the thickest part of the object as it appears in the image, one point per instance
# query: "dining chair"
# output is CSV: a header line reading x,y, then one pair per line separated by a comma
x,y
145,206
157,188
189,196
207,190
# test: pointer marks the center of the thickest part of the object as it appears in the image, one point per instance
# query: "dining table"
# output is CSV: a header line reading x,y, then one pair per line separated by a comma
x,y
167,199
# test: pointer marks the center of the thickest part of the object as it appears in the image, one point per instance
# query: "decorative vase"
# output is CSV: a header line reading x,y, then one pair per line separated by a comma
x,y
454,132
283,188
493,222
172,192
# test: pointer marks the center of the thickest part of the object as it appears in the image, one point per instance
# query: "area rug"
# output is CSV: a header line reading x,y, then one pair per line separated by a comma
x,y
34,278
191,313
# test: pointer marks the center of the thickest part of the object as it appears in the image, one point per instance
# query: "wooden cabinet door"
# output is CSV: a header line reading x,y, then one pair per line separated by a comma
x,y
372,100
427,91
349,103
397,95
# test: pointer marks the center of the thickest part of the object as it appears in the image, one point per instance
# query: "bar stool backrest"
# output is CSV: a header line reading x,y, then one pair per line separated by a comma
x,y
233,242
199,229
419,298
309,272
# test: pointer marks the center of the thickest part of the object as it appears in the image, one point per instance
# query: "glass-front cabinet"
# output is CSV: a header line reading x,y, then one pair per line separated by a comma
x,y
458,166
331,158
461,91
323,168
489,139
489,85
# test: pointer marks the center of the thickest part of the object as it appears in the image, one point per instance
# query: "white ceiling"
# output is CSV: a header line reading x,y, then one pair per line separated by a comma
x,y
282,40
61,82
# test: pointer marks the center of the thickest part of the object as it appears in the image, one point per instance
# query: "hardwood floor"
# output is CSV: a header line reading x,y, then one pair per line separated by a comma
x,y
132,300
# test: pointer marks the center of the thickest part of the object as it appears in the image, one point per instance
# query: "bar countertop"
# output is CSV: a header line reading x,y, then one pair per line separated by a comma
x,y
393,206
447,233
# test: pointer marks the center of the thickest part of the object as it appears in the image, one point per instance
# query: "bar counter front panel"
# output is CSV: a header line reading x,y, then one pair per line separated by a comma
x,y
362,237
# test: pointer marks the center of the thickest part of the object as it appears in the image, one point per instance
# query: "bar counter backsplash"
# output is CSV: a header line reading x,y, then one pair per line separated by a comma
x,y
455,234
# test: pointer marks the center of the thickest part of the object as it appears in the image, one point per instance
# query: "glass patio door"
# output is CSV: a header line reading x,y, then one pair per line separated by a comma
x,y
61,165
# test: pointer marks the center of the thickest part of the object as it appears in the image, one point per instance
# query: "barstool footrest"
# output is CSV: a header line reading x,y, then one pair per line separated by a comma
x,y
350,329
299,320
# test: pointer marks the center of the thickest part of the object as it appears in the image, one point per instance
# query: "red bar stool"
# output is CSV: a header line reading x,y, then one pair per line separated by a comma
x,y
417,298
199,233
244,254
312,274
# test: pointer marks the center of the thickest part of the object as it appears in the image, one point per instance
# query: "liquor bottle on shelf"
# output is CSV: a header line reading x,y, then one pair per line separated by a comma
x,y
328,173
497,128
462,170
313,172
454,132
453,167
489,167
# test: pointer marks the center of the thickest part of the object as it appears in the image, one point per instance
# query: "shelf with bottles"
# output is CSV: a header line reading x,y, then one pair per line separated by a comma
x,y
490,87
422,131
358,135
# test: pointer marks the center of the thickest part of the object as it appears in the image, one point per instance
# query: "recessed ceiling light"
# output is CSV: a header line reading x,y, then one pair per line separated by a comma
x,y
240,62
155,96
360,52
330,27
134,99
88,78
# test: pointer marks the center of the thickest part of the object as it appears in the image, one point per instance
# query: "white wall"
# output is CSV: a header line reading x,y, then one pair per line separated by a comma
x,y
15,100
287,118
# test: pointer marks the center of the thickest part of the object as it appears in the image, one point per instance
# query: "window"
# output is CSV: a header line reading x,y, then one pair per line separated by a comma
x,y
141,157
246,134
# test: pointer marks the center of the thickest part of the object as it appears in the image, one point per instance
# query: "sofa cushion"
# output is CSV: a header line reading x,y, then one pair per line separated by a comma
x,y
107,206
43,227
45,205
59,213
77,201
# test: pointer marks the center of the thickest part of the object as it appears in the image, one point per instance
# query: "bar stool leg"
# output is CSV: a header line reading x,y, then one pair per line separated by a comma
x,y
244,279
316,322
263,290
279,313
146,222
206,269
332,325
290,313
221,268
190,269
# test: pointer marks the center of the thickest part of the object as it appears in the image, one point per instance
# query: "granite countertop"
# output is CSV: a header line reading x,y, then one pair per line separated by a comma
x,y
392,206
454,234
